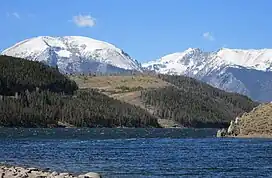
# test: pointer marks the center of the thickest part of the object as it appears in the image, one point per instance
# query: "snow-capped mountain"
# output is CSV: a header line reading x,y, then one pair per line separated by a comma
x,y
74,54
247,72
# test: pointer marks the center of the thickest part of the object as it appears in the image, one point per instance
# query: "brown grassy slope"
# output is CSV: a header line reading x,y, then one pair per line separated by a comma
x,y
113,82
258,122
125,88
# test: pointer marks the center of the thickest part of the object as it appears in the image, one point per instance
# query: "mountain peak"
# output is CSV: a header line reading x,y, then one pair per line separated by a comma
x,y
192,50
73,53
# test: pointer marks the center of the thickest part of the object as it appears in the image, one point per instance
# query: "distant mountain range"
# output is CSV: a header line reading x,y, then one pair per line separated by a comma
x,y
248,72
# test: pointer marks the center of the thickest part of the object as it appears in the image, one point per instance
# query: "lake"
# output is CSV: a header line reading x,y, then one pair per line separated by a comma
x,y
137,152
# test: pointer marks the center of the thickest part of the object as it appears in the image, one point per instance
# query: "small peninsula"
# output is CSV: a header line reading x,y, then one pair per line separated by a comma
x,y
254,124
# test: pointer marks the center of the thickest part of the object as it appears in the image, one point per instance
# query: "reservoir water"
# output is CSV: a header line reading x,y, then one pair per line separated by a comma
x,y
137,152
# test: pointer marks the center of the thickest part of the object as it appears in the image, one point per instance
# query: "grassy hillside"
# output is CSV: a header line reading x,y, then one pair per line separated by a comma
x,y
174,98
115,84
18,75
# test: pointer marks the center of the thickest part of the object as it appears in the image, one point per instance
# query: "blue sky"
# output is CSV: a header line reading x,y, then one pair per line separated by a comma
x,y
145,29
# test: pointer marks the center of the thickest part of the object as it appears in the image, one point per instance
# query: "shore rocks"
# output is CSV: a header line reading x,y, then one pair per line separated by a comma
x,y
232,130
221,133
90,175
234,127
19,172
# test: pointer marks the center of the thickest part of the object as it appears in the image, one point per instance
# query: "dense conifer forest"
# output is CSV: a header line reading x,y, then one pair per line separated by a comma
x,y
57,99
19,75
195,104
84,109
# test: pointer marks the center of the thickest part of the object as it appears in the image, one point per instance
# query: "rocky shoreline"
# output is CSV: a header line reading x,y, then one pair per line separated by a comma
x,y
7,171
232,131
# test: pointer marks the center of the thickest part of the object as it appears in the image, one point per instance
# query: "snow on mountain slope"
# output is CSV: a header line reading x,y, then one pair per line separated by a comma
x,y
197,59
187,62
255,59
73,53
228,69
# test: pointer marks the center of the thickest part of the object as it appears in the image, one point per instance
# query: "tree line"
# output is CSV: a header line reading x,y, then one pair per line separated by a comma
x,y
84,109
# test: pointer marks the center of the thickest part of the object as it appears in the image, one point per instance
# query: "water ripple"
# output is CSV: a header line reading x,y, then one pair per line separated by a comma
x,y
134,153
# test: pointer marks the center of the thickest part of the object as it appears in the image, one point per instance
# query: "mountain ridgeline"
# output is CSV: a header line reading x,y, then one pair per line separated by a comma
x,y
58,100
195,104
227,69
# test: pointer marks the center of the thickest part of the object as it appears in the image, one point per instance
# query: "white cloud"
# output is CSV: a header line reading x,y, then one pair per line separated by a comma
x,y
14,14
84,20
208,36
